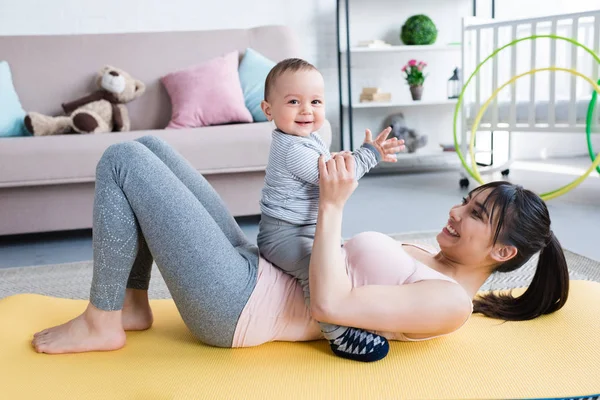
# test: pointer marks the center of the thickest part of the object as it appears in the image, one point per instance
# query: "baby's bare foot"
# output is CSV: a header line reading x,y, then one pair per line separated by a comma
x,y
94,330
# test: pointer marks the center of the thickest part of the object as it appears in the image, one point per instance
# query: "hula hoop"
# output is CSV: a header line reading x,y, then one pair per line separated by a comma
x,y
555,193
462,93
588,126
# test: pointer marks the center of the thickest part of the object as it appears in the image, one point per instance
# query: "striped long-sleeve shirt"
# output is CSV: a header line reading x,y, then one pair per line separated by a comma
x,y
291,190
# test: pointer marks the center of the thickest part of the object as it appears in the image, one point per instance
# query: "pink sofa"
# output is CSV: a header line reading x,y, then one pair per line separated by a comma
x,y
47,183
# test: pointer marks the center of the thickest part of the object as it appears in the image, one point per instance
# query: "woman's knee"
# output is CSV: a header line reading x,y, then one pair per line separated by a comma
x,y
214,341
121,152
151,142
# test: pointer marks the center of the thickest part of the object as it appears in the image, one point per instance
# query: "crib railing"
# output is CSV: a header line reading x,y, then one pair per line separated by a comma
x,y
481,38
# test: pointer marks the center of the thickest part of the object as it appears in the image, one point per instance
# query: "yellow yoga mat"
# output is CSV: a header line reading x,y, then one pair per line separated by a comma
x,y
552,356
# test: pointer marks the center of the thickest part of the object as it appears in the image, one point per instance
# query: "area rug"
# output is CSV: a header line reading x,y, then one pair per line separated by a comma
x,y
72,280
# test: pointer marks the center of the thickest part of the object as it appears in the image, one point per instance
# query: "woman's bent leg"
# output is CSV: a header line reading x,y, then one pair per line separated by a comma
x,y
136,310
139,277
209,279
199,186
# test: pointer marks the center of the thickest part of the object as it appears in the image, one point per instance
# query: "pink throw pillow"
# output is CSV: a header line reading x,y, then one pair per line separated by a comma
x,y
207,94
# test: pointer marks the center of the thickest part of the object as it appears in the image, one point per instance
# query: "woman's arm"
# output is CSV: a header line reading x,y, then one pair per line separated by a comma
x,y
429,307
329,284
328,280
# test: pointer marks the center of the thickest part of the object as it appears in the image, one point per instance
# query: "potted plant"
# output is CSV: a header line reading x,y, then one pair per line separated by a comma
x,y
415,77
418,30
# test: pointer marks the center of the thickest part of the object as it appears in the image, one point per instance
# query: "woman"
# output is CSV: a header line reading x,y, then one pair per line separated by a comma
x,y
151,204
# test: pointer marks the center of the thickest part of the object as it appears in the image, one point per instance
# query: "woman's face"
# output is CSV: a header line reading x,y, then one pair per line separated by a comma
x,y
468,236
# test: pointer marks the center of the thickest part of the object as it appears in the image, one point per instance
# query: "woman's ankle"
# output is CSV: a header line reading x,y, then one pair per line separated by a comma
x,y
136,297
102,319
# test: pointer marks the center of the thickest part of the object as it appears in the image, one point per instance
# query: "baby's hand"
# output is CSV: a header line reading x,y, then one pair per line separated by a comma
x,y
386,147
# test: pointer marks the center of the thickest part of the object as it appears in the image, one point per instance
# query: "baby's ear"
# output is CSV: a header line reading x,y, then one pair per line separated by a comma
x,y
266,108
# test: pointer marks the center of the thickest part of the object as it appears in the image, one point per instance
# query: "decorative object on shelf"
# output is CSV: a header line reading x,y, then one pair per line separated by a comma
x,y
448,147
373,94
412,140
375,43
415,77
454,85
416,92
418,30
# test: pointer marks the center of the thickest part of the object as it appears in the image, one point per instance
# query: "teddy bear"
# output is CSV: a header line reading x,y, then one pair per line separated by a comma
x,y
99,112
412,140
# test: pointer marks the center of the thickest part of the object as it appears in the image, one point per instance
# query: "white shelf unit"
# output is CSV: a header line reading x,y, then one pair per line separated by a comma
x,y
421,103
423,161
380,66
428,158
393,49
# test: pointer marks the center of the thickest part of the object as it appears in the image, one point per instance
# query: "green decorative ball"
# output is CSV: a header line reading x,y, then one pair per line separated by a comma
x,y
418,30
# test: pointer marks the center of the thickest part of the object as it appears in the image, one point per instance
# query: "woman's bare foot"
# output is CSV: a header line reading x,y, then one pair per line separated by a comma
x,y
94,330
137,314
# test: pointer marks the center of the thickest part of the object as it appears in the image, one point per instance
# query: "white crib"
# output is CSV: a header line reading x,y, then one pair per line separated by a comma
x,y
549,101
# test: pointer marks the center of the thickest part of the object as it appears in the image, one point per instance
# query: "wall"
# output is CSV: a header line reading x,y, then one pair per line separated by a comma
x,y
313,20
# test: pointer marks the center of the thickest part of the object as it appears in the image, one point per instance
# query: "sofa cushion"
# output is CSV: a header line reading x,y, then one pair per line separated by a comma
x,y
73,158
46,160
11,112
253,71
207,94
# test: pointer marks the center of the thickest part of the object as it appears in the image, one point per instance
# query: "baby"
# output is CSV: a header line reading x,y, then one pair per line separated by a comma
x,y
295,101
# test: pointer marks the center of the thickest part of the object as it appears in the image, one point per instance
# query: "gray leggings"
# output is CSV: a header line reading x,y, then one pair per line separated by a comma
x,y
150,203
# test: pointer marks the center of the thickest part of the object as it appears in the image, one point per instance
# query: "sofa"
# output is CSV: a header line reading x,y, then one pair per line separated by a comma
x,y
47,182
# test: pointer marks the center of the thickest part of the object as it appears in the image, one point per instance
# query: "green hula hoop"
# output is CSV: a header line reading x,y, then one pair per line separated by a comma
x,y
548,195
588,126
462,93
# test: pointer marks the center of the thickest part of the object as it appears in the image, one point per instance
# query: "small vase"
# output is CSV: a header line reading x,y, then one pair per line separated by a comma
x,y
416,92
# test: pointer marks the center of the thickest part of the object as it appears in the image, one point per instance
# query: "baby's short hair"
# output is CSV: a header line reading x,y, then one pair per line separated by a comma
x,y
287,65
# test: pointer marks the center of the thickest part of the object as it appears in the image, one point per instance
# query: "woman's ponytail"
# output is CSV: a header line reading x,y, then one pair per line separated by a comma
x,y
547,292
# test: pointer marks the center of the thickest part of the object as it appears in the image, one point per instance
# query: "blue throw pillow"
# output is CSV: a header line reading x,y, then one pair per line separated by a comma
x,y
253,71
11,112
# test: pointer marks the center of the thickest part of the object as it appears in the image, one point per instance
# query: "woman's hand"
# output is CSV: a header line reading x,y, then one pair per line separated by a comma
x,y
336,179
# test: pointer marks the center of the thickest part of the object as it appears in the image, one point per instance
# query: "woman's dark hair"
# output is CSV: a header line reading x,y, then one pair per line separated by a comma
x,y
522,221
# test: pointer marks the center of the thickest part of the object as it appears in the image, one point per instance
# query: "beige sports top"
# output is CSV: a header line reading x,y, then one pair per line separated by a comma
x,y
276,310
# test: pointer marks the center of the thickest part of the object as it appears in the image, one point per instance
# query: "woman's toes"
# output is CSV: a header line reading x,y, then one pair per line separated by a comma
x,y
40,333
